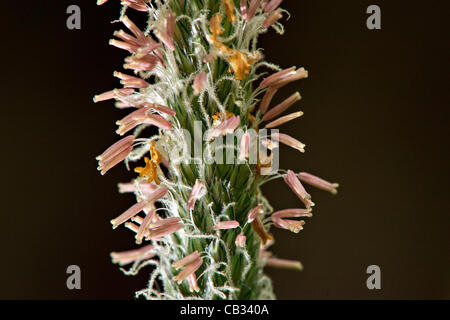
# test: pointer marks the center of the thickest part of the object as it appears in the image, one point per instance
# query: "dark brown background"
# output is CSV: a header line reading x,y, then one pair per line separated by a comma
x,y
376,120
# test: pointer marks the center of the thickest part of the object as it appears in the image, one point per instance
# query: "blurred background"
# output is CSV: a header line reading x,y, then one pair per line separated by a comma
x,y
376,121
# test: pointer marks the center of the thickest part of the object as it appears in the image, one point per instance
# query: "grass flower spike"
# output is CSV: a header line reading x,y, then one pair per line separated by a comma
x,y
200,139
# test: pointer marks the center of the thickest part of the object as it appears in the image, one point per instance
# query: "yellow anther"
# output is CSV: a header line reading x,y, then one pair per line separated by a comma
x,y
154,154
240,62
229,8
219,116
149,171
215,25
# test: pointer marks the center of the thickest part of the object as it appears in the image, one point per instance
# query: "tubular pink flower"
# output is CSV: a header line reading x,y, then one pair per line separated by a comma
x,y
126,187
170,23
284,264
139,220
116,148
134,29
139,47
128,126
196,193
200,83
289,141
145,63
148,48
225,225
162,109
144,226
123,105
158,121
112,94
296,186
130,256
131,121
244,8
254,5
133,227
157,194
162,222
283,106
166,36
226,127
123,45
272,5
318,182
186,260
144,187
164,230
138,207
192,281
138,5
244,146
142,116
292,213
240,240
283,120
297,75
254,213
131,212
145,109
267,99
272,18
126,100
115,154
270,80
128,38
166,39
130,81
188,270
291,225
138,113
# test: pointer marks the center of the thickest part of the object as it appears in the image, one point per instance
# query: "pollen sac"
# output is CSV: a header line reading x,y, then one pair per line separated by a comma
x,y
229,8
149,171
